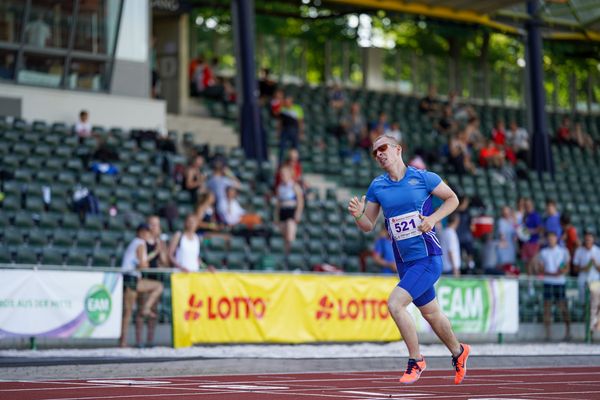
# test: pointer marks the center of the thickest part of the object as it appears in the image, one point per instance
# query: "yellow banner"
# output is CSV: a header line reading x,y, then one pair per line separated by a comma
x,y
280,308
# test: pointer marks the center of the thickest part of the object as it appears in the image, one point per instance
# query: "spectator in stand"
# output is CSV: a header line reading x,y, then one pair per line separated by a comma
x,y
586,263
291,126
430,104
446,125
383,253
198,65
134,261
292,161
184,249
518,139
382,126
459,154
499,133
552,219
353,125
229,210
277,102
465,231
569,236
83,127
491,156
158,257
337,98
221,178
563,133
396,133
531,247
553,262
289,206
37,31
206,215
194,180
266,85
581,138
506,245
475,138
451,255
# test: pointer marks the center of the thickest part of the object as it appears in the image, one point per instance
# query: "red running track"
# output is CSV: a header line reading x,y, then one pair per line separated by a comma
x,y
534,384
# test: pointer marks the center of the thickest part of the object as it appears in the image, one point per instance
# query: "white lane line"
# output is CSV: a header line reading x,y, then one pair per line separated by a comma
x,y
386,395
129,382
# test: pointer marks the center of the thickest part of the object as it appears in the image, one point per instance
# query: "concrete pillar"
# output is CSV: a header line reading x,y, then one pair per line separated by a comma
x,y
172,44
373,68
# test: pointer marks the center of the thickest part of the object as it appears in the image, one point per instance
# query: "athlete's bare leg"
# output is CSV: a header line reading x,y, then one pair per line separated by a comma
x,y
397,302
441,326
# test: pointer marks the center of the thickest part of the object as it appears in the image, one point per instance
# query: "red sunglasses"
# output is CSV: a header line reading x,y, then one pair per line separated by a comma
x,y
381,148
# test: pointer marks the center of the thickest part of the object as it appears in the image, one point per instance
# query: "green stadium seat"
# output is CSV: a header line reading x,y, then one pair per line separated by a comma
x,y
52,256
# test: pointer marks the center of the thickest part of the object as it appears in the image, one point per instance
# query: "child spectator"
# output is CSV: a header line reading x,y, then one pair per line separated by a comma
x,y
83,127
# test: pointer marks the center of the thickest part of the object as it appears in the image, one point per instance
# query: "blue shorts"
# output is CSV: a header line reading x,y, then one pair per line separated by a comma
x,y
418,277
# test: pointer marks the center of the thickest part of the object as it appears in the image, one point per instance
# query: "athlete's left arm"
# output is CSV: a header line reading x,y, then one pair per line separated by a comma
x,y
443,192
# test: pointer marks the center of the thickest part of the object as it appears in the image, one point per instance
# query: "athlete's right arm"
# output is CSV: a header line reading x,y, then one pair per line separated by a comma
x,y
365,216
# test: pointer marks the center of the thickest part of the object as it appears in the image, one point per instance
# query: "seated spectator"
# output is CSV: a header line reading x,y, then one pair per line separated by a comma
x,y
291,126
222,177
586,263
499,133
83,127
530,248
134,261
518,139
563,133
475,138
206,215
289,206
337,98
430,104
382,126
553,262
459,155
396,133
353,126
506,243
383,253
184,249
491,156
446,125
451,256
229,210
194,179
581,138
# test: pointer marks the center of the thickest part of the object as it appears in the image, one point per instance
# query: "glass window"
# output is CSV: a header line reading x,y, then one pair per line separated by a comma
x,y
7,65
11,20
41,70
88,75
49,23
96,26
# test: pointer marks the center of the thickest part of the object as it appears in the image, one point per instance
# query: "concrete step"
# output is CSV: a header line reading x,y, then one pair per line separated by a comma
x,y
204,129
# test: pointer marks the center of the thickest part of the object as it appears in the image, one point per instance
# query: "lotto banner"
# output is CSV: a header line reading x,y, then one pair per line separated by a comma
x,y
60,304
282,308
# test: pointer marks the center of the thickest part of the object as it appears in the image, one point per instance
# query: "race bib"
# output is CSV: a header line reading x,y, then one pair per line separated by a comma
x,y
405,226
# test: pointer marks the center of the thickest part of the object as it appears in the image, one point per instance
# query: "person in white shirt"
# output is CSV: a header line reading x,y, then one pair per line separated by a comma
x,y
134,260
518,139
83,128
451,247
184,250
587,262
37,32
229,209
554,262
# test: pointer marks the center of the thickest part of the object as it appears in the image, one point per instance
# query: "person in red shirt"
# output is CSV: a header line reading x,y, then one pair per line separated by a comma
x,y
563,134
499,133
491,156
569,235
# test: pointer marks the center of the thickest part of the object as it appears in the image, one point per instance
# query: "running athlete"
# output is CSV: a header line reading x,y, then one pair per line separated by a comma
x,y
404,194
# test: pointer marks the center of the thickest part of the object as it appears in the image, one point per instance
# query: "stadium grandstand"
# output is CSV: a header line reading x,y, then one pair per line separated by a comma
x,y
207,150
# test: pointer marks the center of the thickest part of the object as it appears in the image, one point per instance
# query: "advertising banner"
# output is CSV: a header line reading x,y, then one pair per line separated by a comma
x,y
60,304
284,308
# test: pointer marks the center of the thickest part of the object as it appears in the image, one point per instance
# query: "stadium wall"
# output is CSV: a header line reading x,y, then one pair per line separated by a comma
x,y
53,105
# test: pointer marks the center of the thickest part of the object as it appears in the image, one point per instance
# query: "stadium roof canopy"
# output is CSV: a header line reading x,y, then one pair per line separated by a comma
x,y
562,19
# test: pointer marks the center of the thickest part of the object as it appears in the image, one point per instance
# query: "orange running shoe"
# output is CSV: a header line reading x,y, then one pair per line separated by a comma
x,y
413,371
460,363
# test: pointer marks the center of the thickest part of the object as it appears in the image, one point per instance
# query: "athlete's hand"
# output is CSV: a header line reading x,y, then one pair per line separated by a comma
x,y
356,206
427,224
